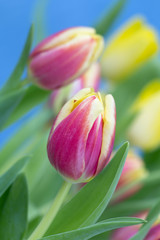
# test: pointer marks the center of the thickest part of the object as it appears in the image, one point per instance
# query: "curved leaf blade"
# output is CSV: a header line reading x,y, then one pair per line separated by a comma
x,y
89,203
8,177
13,214
8,103
14,79
33,96
98,228
104,25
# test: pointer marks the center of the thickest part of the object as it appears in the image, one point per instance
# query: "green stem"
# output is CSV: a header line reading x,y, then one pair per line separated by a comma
x,y
52,212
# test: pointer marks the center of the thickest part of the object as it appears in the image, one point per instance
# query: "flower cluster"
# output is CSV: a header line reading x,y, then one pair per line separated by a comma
x,y
92,90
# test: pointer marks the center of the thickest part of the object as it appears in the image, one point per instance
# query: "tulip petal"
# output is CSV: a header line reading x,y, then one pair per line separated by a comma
x,y
145,129
59,66
68,157
134,44
108,132
61,38
67,108
93,147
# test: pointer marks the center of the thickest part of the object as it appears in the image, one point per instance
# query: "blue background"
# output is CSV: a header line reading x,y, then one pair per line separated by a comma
x,y
17,15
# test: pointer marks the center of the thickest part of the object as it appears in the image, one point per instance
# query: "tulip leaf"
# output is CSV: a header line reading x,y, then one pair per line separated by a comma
x,y
13,211
88,204
8,103
104,25
151,218
33,97
14,79
95,229
39,19
26,136
8,177
43,193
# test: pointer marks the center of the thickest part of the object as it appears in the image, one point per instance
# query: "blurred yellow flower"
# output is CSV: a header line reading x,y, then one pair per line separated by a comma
x,y
145,129
132,45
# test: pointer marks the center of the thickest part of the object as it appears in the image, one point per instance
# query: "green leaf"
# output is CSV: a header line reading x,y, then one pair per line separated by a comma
x,y
7,105
93,230
8,177
14,79
104,25
151,218
39,19
33,97
86,207
13,214
25,139
45,192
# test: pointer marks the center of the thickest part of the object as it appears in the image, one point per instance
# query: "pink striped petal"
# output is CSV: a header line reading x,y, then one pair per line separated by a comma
x,y
93,147
60,38
58,66
67,142
109,125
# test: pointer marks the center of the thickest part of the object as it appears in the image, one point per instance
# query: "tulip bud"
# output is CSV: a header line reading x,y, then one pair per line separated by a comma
x,y
135,43
144,132
63,57
91,79
133,170
126,233
81,139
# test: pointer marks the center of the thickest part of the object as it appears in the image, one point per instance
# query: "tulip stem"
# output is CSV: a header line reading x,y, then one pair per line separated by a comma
x,y
52,212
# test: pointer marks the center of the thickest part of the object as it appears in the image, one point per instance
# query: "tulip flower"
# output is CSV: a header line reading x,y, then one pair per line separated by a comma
x,y
81,139
145,129
126,233
64,56
135,43
91,79
133,170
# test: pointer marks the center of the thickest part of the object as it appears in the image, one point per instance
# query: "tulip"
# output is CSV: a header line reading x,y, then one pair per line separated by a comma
x,y
81,139
127,232
91,79
64,56
135,43
133,170
145,128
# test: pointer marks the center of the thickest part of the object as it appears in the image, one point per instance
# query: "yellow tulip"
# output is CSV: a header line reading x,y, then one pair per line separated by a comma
x,y
135,43
145,129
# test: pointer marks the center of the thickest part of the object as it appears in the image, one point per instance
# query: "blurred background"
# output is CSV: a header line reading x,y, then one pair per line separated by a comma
x,y
16,17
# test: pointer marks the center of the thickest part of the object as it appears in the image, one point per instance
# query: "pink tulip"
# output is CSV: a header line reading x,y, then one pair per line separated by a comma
x,y
81,139
63,57
134,170
126,233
